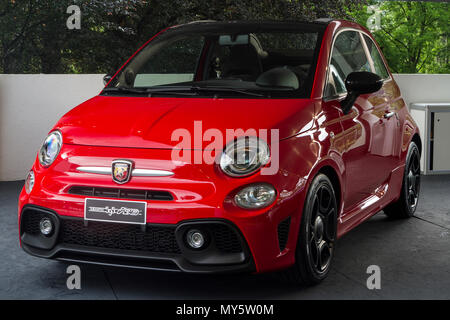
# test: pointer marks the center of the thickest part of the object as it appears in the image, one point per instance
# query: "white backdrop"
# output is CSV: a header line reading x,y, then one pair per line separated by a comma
x,y
424,87
29,107
31,104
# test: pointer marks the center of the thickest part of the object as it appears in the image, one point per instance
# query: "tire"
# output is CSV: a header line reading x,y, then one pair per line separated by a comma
x,y
406,205
317,236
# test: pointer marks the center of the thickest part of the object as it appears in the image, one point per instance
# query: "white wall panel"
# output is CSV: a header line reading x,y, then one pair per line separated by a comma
x,y
29,107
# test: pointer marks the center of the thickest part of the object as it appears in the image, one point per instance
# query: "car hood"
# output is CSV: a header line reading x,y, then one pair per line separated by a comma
x,y
141,122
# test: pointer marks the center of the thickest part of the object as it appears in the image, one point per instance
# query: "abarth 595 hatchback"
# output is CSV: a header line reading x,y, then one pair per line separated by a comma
x,y
227,147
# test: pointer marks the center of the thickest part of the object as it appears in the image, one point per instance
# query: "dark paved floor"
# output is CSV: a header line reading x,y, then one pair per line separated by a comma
x,y
414,257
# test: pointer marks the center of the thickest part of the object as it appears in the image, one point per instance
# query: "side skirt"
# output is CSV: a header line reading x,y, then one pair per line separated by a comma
x,y
379,199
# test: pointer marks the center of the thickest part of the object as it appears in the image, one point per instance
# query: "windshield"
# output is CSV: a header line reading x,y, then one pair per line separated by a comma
x,y
259,61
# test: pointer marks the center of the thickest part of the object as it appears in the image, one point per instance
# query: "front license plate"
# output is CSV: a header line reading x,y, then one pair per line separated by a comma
x,y
115,211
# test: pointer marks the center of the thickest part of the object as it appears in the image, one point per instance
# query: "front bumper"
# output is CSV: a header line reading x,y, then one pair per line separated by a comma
x,y
198,193
154,246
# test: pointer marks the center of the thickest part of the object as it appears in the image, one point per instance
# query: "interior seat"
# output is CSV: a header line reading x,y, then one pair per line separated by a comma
x,y
243,63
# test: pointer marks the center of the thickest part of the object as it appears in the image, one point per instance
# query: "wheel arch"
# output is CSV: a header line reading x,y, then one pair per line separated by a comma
x,y
418,141
334,168
331,174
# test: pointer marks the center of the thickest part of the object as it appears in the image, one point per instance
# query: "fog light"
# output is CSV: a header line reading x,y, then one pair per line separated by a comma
x,y
29,182
195,239
46,226
256,196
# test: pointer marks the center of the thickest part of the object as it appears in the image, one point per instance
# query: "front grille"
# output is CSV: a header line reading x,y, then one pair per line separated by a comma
x,y
117,193
283,233
226,239
30,222
108,235
119,236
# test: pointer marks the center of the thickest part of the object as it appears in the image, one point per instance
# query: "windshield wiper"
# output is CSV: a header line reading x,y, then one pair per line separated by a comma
x,y
225,89
180,90
173,90
124,90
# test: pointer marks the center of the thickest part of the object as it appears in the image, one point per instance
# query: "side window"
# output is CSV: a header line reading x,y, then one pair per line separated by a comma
x,y
380,68
348,56
173,63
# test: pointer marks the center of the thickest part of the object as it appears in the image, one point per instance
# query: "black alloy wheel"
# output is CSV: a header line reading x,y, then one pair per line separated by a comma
x,y
406,205
317,237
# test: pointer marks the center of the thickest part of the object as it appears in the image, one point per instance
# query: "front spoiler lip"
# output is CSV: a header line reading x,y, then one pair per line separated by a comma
x,y
131,259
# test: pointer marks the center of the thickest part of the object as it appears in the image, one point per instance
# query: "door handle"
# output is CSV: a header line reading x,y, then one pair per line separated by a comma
x,y
389,115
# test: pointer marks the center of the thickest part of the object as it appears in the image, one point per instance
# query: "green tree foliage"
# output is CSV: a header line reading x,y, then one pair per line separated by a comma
x,y
412,35
34,37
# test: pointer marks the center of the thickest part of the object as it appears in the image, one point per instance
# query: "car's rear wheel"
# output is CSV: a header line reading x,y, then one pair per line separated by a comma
x,y
406,205
317,237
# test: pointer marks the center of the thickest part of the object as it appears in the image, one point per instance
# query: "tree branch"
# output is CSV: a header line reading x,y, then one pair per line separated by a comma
x,y
24,27
393,38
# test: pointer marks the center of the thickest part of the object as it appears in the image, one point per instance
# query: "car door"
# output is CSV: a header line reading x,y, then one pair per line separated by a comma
x,y
367,161
390,94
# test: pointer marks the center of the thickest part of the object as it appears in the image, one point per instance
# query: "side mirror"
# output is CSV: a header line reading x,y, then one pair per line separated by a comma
x,y
106,79
358,83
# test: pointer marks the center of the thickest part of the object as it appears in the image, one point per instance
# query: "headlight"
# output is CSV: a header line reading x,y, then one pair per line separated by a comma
x,y
256,196
244,156
50,149
29,182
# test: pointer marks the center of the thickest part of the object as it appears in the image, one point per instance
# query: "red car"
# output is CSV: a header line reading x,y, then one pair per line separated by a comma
x,y
227,147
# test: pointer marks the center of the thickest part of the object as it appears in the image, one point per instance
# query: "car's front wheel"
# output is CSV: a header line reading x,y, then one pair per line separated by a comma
x,y
406,205
317,237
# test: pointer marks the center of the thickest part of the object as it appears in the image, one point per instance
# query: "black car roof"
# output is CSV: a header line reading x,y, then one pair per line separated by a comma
x,y
238,26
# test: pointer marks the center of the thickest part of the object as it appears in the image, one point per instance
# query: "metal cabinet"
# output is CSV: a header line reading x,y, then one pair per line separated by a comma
x,y
433,120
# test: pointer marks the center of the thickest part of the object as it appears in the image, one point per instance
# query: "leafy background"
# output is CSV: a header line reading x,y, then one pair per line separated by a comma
x,y
413,34
34,37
